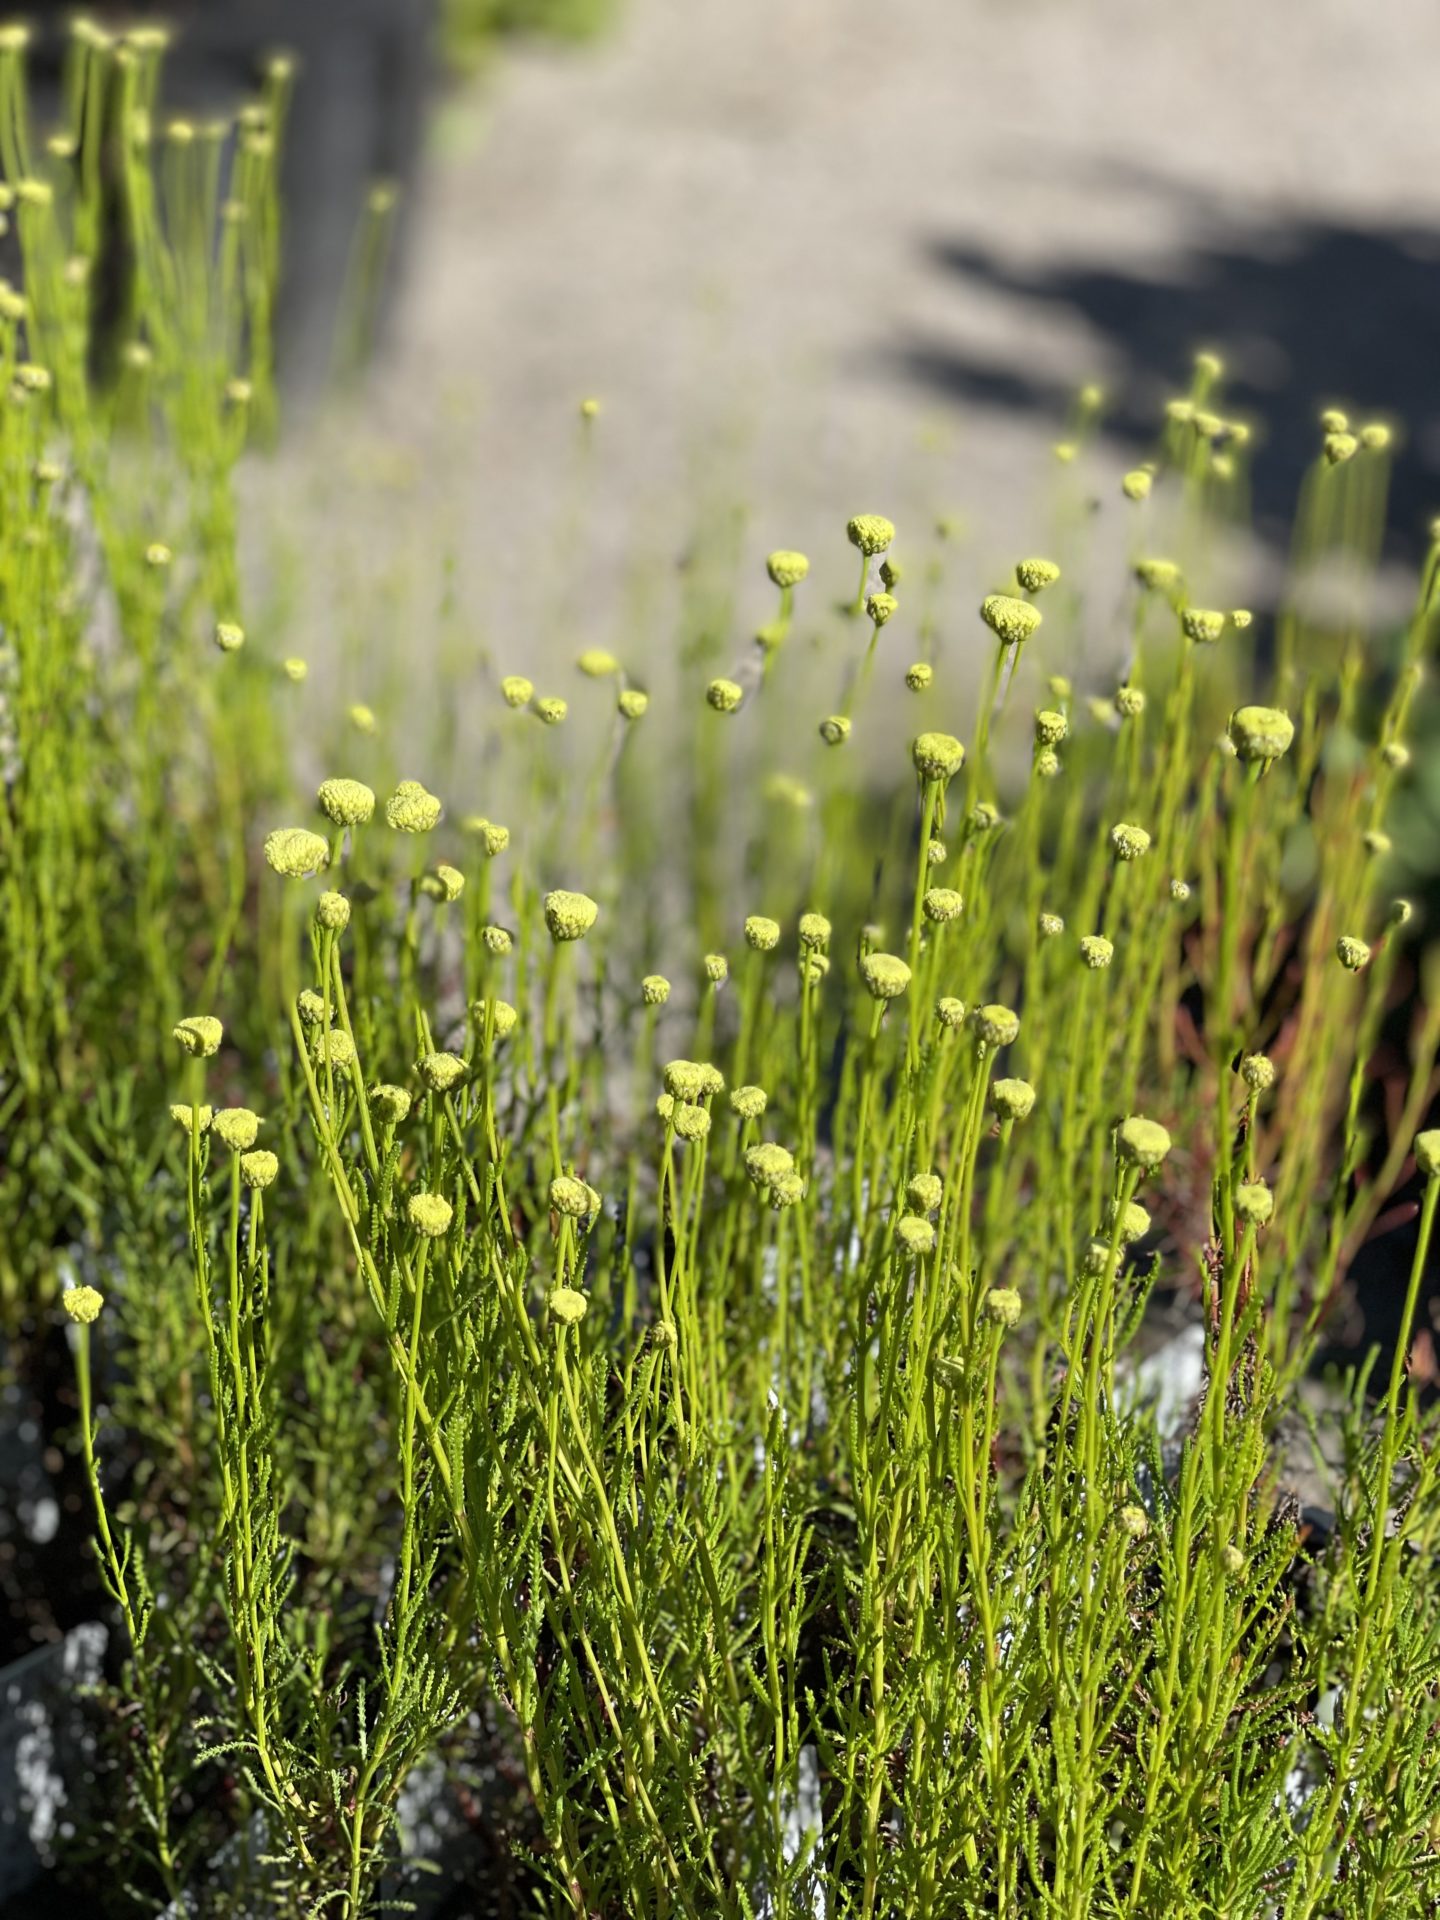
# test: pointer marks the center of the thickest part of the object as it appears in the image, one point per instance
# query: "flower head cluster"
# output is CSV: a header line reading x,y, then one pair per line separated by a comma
x,y
410,809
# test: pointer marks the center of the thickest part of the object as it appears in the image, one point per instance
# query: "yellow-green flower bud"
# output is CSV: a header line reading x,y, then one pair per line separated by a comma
x,y
229,637
295,852
771,635
1144,1143
362,718
1012,1099
1002,1305
258,1169
834,729
1046,763
410,809
684,1079
1339,447
995,1026
915,1233
689,1121
813,965
390,1104
1180,891
496,941
712,1081
886,976
1257,1070
494,839
336,1047
597,663
814,930
185,1117
295,669
748,1103
919,676
1352,954
430,1214
1137,483
349,803
1254,1203
1050,727
950,1012
1241,618
551,710
1134,1222
786,1190
1050,926
1160,576
589,408
441,1071
663,1335
724,695
1202,625
1375,436
654,990
1233,1561
1261,733
767,1161
890,573
505,1017
1095,1260
1395,754
157,554
632,703
516,690
924,1192
937,756
717,969
870,532
665,1107
332,911
1096,951
881,607
237,1127
1129,702
1377,842
1129,842
445,883
1427,1152
1035,575
567,1306
941,904
936,854
786,568
1012,621
570,1197
1134,1521
983,817
83,1304
762,934
569,916
200,1035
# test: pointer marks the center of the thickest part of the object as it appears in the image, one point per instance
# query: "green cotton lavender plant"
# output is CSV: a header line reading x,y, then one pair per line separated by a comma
x,y
648,1327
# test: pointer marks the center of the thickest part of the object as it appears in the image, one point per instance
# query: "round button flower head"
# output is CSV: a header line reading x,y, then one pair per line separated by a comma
x,y
1233,1561
1134,1222
505,1017
813,965
389,1104
936,854
445,883
1352,954
762,934
632,703
995,1026
1144,1143
690,1122
362,718
1012,621
1002,1305
237,1127
923,1192
295,669
1046,763
597,663
157,554
1035,575
1261,734
717,969
771,635
748,1103
1050,926
724,696
338,1048
890,573
834,729
332,911
430,1214
1257,1070
494,838
1339,447
1134,1521
1137,483
258,1169
872,533
295,852
1376,842
349,803
551,711
1427,1152
788,1190
665,1107
311,1007
881,607
200,1035
915,1233
1202,625
1096,951
937,756
184,1116
441,1071
787,568
1050,727
516,690
567,1306
1095,1260
83,1304
1129,842
229,637
654,990
570,1197
767,1161
1241,618
886,976
1180,891
1254,1203
411,809
919,676
814,930
569,916
712,1081
950,1012
1375,436
1012,1099
684,1079
941,904
1129,702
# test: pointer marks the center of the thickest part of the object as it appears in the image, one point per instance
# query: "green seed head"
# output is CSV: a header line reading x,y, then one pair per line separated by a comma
x,y
336,1047
1012,1099
1050,727
924,1192
762,935
1375,436
941,904
995,1026
597,664
1035,575
834,729
919,676
724,695
814,930
937,756
1180,891
445,883
813,965
654,990
1233,1561
1134,1222
1002,1305
1129,842
1396,755
1377,842
1012,621
295,669
1050,926
1046,763
881,607
83,1304
1096,951
200,1035
1254,1203
185,1117
1339,447
1352,954
1144,1143
229,637
748,1103
665,1107
1129,702
441,1071
410,809
332,912
684,1079
1160,576
890,573
915,1233
886,976
767,1161
786,568
258,1169
690,1122
1095,1260
870,532
517,690
1137,483
505,1017
632,703
983,817
237,1127
786,1190
295,852
712,1081
1241,618
496,941
349,803
389,1104
663,1335
717,969
950,1012
569,916
1257,1070
551,710
1427,1152
570,1197
936,854
1134,1521
362,718
1261,733
430,1214
1202,625
567,1306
